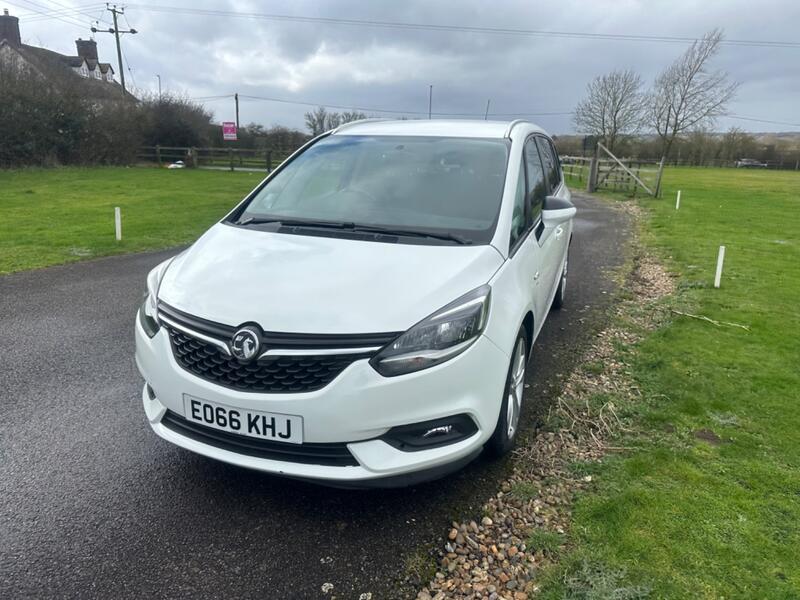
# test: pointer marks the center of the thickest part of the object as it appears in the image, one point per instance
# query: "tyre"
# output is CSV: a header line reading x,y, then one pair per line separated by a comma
x,y
505,432
558,299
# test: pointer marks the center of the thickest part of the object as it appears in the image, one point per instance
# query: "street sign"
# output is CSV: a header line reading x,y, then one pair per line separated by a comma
x,y
229,131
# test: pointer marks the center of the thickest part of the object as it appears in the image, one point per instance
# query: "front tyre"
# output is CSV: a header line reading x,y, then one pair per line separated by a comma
x,y
505,432
558,299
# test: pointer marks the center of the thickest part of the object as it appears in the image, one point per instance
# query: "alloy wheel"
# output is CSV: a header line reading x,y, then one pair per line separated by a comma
x,y
516,387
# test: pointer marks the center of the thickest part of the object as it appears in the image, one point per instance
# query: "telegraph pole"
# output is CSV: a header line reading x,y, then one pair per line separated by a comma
x,y
486,115
115,30
119,49
159,86
236,99
430,100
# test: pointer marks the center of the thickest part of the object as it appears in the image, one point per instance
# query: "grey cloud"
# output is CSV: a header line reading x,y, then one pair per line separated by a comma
x,y
391,68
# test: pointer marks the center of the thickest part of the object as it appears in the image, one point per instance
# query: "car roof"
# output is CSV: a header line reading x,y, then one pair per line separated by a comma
x,y
434,127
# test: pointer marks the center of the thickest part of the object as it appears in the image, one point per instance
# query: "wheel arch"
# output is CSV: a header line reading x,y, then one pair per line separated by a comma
x,y
527,323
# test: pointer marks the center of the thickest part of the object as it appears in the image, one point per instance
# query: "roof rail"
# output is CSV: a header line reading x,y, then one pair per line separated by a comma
x,y
344,126
511,126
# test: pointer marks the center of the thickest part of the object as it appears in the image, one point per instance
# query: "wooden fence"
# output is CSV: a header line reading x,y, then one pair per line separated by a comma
x,y
256,159
608,172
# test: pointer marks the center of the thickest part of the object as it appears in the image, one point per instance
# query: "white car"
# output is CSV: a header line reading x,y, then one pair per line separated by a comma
x,y
366,315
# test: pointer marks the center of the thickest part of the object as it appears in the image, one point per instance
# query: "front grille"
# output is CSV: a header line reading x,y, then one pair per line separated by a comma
x,y
292,372
331,455
270,374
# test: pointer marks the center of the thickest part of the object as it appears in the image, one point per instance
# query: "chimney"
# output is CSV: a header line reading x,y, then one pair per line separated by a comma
x,y
9,29
86,48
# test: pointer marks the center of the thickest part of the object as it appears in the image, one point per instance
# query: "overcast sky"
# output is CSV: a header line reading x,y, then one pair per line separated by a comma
x,y
391,69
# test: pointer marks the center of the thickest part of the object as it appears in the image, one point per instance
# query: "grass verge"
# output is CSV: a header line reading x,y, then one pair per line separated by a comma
x,y
706,500
54,216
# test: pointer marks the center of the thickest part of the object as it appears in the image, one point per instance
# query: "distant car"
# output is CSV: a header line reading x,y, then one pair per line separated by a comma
x,y
365,317
750,163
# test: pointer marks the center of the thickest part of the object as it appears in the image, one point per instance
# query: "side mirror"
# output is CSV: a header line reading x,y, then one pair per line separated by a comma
x,y
556,210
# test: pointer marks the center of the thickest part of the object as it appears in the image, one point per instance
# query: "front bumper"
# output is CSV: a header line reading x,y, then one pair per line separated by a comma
x,y
356,408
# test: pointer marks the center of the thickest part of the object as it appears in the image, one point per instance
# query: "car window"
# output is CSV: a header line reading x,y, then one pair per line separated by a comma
x,y
537,185
550,159
518,219
426,183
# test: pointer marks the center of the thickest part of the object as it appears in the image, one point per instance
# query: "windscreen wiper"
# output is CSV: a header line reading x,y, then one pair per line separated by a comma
x,y
293,222
452,237
350,226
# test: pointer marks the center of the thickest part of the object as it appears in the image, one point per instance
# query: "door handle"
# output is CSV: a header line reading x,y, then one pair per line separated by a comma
x,y
536,276
559,232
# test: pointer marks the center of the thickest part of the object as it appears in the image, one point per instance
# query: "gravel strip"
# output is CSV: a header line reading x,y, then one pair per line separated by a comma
x,y
498,556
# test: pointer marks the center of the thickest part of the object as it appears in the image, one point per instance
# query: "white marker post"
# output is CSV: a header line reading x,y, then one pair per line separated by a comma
x,y
720,260
678,201
118,222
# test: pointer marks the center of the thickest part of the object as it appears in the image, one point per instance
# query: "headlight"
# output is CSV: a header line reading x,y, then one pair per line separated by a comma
x,y
438,338
148,312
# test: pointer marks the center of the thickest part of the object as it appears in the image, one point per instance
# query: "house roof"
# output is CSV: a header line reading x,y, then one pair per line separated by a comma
x,y
54,65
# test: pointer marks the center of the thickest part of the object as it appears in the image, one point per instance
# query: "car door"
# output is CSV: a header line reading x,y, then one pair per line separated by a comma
x,y
536,190
552,240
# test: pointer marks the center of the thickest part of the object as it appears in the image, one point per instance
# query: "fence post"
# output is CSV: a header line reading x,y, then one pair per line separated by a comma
x,y
193,154
158,154
591,183
269,161
657,191
230,157
720,260
117,223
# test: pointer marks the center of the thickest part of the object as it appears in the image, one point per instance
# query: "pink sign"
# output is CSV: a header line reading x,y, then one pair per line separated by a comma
x,y
229,131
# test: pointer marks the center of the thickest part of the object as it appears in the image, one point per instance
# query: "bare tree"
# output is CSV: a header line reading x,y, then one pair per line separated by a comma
x,y
612,107
737,144
317,120
352,115
687,95
320,120
333,121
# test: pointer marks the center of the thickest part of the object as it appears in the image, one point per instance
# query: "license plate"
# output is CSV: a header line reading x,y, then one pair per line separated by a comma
x,y
252,423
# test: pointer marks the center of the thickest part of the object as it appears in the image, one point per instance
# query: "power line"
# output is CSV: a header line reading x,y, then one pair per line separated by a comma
x,y
55,13
48,11
67,20
127,64
211,98
78,10
741,118
456,28
396,111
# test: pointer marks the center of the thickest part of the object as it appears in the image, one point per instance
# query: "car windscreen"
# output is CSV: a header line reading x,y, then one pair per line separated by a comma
x,y
433,184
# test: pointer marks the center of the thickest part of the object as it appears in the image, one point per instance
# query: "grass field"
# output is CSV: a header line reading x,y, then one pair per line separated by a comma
x,y
685,517
53,216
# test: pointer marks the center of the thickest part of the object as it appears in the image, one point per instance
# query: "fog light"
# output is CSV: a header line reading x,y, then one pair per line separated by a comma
x,y
430,434
441,430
